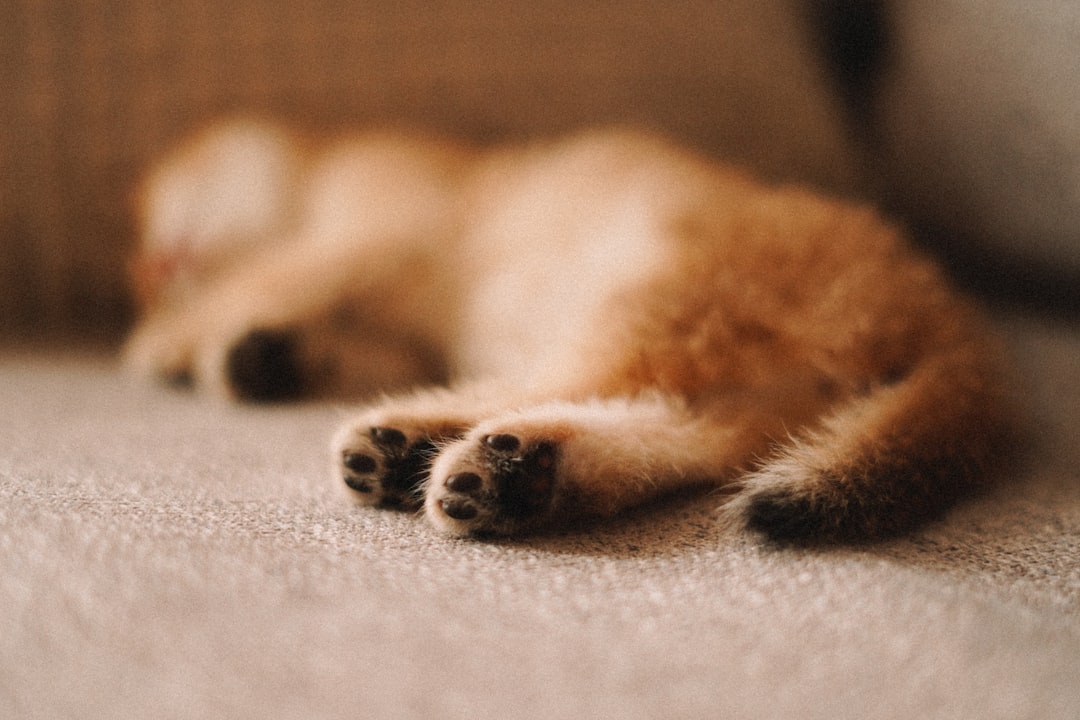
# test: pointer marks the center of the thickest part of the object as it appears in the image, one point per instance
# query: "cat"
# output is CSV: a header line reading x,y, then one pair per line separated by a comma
x,y
565,329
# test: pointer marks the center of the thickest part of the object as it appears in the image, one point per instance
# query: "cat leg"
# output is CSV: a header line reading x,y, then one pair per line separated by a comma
x,y
884,462
358,285
272,291
559,461
308,319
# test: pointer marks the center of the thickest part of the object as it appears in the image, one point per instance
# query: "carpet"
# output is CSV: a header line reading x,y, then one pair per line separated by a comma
x,y
164,556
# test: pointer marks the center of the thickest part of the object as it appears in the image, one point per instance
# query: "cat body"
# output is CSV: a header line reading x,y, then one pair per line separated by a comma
x,y
564,330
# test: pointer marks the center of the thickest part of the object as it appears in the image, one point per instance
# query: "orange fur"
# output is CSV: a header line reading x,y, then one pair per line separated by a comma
x,y
617,318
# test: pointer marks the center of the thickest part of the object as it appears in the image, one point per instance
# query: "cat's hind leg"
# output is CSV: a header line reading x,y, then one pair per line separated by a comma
x,y
884,462
383,454
550,463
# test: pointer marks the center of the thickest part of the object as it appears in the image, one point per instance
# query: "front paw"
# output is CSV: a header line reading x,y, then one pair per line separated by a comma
x,y
497,483
264,366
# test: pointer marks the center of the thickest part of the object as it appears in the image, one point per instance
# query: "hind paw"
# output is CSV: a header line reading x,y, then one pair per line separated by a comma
x,y
498,483
824,508
784,516
384,465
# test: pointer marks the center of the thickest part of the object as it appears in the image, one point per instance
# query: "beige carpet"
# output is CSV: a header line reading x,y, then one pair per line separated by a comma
x,y
162,557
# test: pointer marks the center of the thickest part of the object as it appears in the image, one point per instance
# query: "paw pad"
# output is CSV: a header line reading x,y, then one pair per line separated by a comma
x,y
387,467
264,366
464,482
501,484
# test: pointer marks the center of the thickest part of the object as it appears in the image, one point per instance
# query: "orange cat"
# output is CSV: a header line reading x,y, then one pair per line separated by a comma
x,y
575,328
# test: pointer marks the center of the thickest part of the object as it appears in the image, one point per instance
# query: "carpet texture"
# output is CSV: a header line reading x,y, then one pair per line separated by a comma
x,y
166,557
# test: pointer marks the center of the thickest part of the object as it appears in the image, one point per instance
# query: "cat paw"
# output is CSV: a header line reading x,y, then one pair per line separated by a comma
x,y
264,366
822,509
385,465
784,516
498,483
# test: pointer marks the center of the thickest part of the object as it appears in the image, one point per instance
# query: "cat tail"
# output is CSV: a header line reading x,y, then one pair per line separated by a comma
x,y
890,458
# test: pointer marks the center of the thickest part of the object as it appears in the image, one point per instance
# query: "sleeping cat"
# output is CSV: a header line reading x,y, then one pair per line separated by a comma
x,y
563,330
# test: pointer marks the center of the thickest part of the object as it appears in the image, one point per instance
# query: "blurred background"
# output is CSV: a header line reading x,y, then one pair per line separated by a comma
x,y
961,117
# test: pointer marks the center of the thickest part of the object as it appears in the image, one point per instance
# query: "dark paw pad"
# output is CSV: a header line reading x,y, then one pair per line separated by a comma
x,y
512,486
783,516
523,480
388,467
264,367
822,516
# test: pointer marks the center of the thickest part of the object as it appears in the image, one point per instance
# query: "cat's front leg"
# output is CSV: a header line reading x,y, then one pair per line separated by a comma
x,y
288,323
